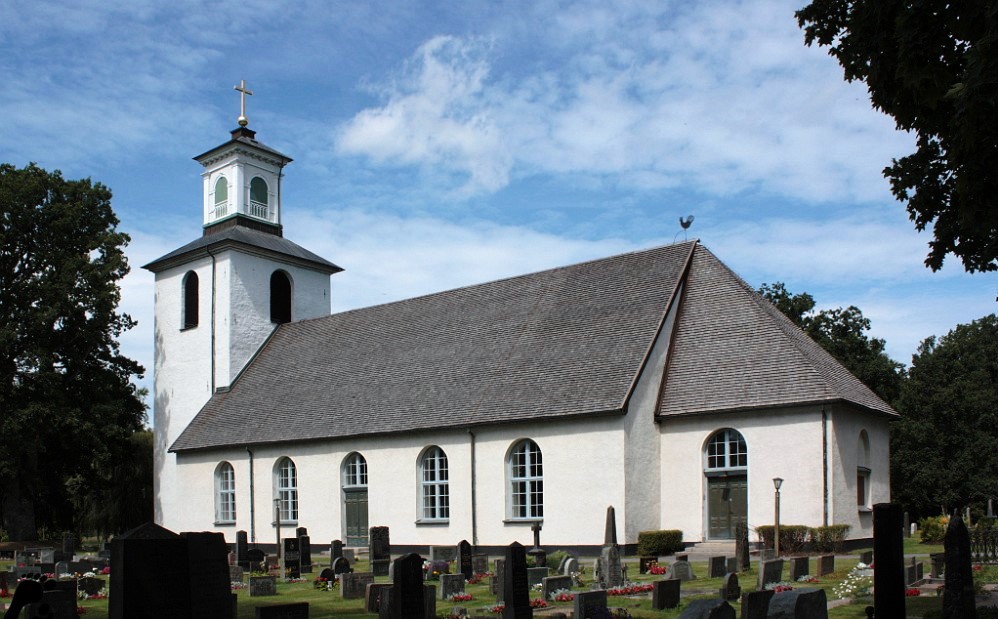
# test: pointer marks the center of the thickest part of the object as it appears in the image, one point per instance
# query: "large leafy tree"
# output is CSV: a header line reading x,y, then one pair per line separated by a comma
x,y
943,449
68,406
843,333
931,65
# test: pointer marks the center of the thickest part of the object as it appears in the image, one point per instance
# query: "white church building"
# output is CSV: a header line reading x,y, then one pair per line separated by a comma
x,y
656,381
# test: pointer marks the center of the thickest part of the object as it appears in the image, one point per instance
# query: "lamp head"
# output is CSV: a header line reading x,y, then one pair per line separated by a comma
x,y
777,482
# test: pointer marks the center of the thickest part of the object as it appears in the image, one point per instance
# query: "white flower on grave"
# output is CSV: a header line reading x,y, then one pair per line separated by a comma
x,y
90,575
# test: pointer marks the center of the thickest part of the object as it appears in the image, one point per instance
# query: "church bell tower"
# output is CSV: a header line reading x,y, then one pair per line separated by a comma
x,y
220,297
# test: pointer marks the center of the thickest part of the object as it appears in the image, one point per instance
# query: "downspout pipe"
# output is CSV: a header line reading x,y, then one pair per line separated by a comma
x,y
474,493
213,287
824,464
252,499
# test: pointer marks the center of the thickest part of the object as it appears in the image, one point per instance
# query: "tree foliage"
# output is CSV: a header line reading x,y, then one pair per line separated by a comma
x,y
931,65
68,405
943,452
842,332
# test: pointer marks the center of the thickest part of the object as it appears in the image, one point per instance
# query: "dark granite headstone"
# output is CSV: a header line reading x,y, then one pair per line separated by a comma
x,y
804,603
297,610
464,559
755,604
451,584
665,593
372,595
341,566
328,574
262,585
353,585
938,560
305,548
717,567
242,547
799,566
236,573
589,605
866,557
515,591
91,585
770,571
708,609
550,584
55,604
646,562
208,571
742,557
495,587
535,575
729,587
255,556
681,570
910,575
610,530
429,601
958,593
826,565
68,545
888,556
479,563
379,550
292,558
612,574
407,593
335,550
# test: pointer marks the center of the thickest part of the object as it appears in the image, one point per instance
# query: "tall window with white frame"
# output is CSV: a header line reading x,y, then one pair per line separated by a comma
x,y
286,489
526,481
434,486
225,494
863,472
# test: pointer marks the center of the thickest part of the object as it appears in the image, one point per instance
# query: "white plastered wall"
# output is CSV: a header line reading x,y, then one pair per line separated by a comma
x,y
846,423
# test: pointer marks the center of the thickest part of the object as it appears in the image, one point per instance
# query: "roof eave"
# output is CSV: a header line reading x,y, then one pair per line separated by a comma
x,y
162,264
743,409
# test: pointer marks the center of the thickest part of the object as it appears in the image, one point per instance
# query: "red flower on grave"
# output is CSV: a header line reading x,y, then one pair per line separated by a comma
x,y
912,593
80,610
538,603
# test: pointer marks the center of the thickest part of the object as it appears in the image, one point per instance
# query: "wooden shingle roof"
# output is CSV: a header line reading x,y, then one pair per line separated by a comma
x,y
567,342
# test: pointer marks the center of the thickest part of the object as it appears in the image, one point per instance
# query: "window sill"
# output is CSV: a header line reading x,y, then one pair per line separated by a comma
x,y
225,523
864,510
522,520
191,328
285,523
433,523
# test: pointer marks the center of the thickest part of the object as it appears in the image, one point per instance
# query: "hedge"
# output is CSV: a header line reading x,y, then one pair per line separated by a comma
x,y
794,537
655,543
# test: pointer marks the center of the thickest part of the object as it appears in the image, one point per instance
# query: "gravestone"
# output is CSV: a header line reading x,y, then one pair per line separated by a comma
x,y
866,557
499,575
341,566
335,550
235,573
327,574
442,553
906,527
708,609
888,556
910,575
550,584
958,592
612,574
451,584
105,550
372,595
380,550
799,566
464,559
826,565
515,592
480,563
91,585
610,530
260,586
770,571
807,603
297,610
292,558
732,564
55,604
407,598
755,604
68,545
429,601
646,562
353,585
938,564
242,547
571,566
61,567
729,587
681,570
742,557
158,573
589,605
682,557
305,548
535,575
665,593
255,556
717,567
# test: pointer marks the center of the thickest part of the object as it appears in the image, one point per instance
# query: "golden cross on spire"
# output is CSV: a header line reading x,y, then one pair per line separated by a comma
x,y
243,121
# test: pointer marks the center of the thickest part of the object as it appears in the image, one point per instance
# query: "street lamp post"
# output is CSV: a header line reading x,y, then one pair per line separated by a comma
x,y
777,482
277,524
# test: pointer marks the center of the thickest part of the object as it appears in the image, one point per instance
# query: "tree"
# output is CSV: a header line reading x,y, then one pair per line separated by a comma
x,y
65,393
842,332
930,65
942,449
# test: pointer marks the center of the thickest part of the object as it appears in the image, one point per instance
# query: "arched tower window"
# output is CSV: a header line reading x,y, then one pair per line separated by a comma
x,y
525,471
189,318
221,197
225,493
286,489
258,198
863,470
280,297
434,488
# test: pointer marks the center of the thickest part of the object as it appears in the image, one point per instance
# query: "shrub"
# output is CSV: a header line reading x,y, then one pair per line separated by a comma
x,y
554,559
655,543
792,536
830,538
932,530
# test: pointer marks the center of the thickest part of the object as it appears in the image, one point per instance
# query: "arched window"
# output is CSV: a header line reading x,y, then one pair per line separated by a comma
x,y
189,319
526,481
434,488
286,489
258,198
280,297
726,450
225,494
221,197
863,470
355,471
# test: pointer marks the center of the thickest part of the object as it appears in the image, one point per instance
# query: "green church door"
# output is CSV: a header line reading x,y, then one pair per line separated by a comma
x,y
727,505
355,507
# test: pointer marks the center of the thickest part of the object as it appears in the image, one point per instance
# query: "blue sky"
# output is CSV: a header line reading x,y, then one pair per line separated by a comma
x,y
439,144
